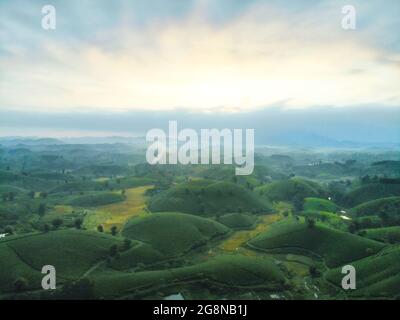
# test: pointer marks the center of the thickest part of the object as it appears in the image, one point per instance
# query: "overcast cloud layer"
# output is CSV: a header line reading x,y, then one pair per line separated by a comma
x,y
198,55
122,67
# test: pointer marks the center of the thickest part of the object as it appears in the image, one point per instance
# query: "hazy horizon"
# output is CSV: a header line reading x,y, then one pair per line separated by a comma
x,y
125,67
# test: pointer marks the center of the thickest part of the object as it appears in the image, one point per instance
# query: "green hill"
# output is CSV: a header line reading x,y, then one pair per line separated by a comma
x,y
12,268
26,182
318,204
371,192
142,254
78,186
390,206
237,220
172,233
95,199
71,252
208,197
388,234
329,218
335,247
8,188
287,190
222,271
104,170
377,276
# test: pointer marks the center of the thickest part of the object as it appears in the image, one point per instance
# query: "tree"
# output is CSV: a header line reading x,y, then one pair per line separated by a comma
x,y
42,209
43,195
127,244
100,228
310,223
57,223
9,230
392,238
313,271
114,230
298,203
46,228
123,192
78,223
113,250
31,194
20,284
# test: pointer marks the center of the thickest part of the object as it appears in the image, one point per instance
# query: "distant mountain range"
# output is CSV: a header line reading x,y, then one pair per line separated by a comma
x,y
304,139
34,141
292,139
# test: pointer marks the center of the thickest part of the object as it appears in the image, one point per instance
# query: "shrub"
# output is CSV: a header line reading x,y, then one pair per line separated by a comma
x,y
20,284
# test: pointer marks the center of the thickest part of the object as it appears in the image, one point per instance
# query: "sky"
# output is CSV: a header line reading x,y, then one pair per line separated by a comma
x,y
119,58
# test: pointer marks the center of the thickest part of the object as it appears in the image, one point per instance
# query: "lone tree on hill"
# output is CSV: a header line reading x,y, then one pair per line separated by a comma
x,y
46,228
114,230
78,223
127,244
20,284
298,203
57,223
43,195
9,230
310,223
113,250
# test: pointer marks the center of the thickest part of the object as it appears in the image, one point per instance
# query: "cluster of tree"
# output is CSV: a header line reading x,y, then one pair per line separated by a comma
x,y
115,249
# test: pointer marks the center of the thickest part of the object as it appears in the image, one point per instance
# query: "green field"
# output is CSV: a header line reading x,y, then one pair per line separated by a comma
x,y
334,246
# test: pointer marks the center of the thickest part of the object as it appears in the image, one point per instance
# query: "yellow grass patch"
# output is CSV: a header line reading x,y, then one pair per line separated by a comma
x,y
241,237
297,268
117,214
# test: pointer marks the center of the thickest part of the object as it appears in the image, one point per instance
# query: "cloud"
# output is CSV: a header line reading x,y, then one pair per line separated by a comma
x,y
265,55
